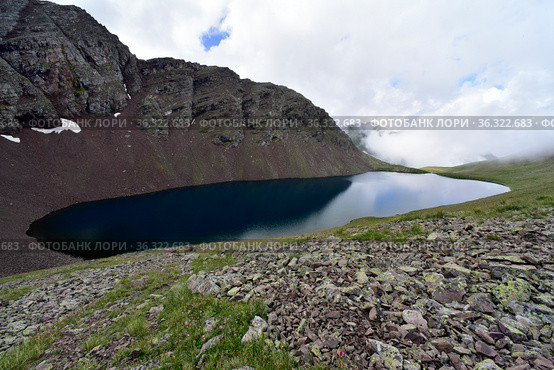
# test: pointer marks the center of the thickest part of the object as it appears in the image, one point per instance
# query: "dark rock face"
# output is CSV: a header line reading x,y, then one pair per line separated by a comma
x,y
75,62
20,100
58,62
177,91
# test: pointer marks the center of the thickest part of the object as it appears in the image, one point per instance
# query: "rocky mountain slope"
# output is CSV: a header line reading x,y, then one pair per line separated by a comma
x,y
58,62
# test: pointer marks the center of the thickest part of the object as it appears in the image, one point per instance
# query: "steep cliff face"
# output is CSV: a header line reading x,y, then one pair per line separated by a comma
x,y
75,63
58,62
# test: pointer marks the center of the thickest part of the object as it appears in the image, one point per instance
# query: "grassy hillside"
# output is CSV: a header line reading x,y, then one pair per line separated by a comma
x,y
379,165
515,174
532,183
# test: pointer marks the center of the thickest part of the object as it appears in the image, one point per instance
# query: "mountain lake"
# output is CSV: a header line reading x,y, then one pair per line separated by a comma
x,y
247,210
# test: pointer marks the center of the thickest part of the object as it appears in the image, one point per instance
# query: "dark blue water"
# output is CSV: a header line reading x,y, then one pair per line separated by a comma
x,y
251,210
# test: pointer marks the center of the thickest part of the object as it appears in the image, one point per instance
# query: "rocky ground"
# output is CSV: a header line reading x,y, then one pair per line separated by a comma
x,y
461,294
57,296
478,303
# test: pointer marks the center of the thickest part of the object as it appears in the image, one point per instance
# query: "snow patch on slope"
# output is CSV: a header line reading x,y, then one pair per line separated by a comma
x,y
11,138
67,125
125,86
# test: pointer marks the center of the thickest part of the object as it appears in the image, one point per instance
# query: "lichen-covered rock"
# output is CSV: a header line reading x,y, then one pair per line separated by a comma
x,y
256,329
209,325
487,365
391,310
389,355
362,277
481,302
233,291
211,343
452,269
449,290
329,291
513,329
203,284
512,289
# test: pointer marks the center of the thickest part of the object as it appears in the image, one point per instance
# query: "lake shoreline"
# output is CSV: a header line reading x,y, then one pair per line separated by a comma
x,y
246,210
24,259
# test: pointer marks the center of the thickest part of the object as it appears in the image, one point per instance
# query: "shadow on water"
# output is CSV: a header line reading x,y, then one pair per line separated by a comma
x,y
186,215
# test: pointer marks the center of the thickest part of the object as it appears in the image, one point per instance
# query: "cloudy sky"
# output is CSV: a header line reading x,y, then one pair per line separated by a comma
x,y
376,57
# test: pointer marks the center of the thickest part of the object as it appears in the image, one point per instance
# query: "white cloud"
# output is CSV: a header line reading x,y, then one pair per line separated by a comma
x,y
378,57
450,148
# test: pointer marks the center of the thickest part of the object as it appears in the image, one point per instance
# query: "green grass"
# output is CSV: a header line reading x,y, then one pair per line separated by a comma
x,y
15,294
531,184
30,350
183,320
209,262
22,356
174,337
97,339
515,174
385,234
136,326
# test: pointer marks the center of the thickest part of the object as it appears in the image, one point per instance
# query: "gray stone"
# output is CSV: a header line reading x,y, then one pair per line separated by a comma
x,y
484,349
203,284
152,364
487,365
210,324
481,302
156,310
332,342
390,355
211,343
256,329
44,365
433,236
271,318
414,318
410,270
